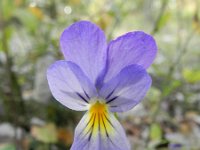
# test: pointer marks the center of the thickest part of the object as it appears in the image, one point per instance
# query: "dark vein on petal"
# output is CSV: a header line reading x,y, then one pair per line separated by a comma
x,y
88,131
90,120
107,133
112,99
107,97
92,128
113,106
89,128
99,122
86,94
108,120
86,125
105,127
72,96
82,97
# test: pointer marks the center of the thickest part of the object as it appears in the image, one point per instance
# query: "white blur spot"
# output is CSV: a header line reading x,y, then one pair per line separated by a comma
x,y
32,4
68,10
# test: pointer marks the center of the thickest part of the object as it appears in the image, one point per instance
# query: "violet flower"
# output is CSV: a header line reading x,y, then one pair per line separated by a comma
x,y
101,79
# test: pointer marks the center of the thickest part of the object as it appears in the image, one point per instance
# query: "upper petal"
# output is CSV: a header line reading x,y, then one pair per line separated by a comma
x,y
84,43
131,48
69,85
127,89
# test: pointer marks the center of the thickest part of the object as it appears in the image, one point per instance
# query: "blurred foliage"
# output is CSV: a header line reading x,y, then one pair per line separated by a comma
x,y
7,147
46,134
29,41
155,132
191,76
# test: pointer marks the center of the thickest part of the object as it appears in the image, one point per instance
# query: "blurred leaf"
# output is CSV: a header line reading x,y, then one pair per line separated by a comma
x,y
7,7
163,20
172,86
154,94
18,2
7,147
191,76
196,22
46,134
105,20
8,32
196,26
155,132
75,2
6,35
36,12
1,46
28,19
96,6
163,145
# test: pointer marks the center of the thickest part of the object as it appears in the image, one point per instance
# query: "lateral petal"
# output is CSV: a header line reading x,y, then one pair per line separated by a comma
x,y
126,89
69,85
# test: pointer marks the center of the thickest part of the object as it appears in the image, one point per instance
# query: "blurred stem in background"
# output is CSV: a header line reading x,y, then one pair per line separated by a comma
x,y
14,95
13,102
158,22
182,49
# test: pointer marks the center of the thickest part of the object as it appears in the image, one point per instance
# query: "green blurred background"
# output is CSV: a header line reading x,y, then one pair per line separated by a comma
x,y
168,117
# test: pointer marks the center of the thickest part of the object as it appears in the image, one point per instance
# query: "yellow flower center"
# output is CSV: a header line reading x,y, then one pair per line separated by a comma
x,y
99,120
98,107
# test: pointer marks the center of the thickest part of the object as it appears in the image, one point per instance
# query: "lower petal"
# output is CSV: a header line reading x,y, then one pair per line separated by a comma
x,y
99,130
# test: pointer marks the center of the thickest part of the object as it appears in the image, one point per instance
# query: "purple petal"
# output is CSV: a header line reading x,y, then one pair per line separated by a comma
x,y
131,48
69,85
127,89
85,44
113,139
